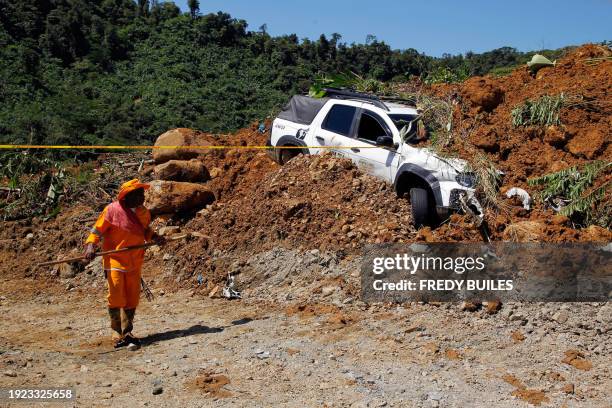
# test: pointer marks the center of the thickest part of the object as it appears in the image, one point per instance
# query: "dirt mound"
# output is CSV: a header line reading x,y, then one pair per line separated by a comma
x,y
482,94
326,203
235,171
482,122
312,202
483,116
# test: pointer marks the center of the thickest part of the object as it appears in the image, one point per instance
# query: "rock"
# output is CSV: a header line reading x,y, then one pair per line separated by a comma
x,y
169,230
517,336
214,292
182,170
95,268
157,390
434,395
492,306
10,373
587,144
215,172
561,316
604,315
468,306
132,347
328,290
180,137
568,388
518,317
66,271
576,359
377,402
169,197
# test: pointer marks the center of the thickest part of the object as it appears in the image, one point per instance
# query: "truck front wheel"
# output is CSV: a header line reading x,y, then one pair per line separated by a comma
x,y
421,207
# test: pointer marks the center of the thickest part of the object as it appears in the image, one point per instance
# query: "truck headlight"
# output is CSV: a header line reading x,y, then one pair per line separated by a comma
x,y
466,179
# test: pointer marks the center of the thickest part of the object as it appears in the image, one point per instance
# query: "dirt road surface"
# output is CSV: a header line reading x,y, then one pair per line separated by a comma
x,y
202,352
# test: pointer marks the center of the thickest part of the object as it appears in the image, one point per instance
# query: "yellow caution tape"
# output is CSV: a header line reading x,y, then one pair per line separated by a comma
x,y
136,147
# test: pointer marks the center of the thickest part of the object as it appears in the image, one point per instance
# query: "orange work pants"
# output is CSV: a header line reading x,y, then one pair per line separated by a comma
x,y
123,289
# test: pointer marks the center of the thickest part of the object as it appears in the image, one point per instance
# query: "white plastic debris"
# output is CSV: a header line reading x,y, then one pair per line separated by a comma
x,y
229,291
522,194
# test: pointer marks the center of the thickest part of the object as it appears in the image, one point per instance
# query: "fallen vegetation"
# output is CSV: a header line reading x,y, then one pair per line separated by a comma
x,y
543,111
572,192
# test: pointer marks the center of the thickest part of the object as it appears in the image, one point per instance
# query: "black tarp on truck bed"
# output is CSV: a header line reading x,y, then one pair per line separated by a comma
x,y
302,109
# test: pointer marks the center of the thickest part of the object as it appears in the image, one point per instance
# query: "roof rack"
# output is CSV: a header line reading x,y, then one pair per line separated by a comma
x,y
411,101
345,94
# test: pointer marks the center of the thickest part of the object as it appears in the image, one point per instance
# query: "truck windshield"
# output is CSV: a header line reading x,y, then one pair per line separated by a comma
x,y
404,120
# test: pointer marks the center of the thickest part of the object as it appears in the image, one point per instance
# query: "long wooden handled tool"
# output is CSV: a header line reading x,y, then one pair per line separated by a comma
x,y
114,251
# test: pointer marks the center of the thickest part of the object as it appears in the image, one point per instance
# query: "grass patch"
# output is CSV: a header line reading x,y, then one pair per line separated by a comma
x,y
543,111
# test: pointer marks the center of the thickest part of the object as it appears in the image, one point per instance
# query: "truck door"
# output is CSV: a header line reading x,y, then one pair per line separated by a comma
x,y
336,129
378,161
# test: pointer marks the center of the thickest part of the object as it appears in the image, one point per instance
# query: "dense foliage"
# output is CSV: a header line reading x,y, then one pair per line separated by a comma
x,y
105,71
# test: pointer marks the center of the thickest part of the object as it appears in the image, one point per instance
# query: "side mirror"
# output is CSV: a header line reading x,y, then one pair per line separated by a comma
x,y
385,141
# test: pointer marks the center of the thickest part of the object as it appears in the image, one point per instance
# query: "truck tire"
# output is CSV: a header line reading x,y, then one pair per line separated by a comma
x,y
287,154
421,208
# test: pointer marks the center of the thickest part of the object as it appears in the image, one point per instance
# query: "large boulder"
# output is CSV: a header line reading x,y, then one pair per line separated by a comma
x,y
182,170
169,197
180,137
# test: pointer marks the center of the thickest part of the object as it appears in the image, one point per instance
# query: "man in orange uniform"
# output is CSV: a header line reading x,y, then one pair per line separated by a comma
x,y
123,223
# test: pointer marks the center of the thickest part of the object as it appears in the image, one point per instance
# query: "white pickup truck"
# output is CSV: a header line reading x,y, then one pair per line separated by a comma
x,y
377,136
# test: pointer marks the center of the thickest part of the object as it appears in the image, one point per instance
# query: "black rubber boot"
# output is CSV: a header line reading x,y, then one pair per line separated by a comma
x,y
115,318
128,321
128,326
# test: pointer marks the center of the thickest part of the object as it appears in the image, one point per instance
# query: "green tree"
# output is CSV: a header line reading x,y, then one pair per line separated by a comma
x,y
116,71
194,7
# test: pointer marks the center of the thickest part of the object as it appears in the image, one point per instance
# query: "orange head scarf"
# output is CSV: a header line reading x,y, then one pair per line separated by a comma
x,y
129,186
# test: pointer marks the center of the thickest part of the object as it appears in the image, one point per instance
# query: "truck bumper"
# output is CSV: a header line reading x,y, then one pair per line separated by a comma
x,y
461,201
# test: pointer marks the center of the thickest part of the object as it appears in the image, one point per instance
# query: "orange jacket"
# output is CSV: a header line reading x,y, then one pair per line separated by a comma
x,y
117,238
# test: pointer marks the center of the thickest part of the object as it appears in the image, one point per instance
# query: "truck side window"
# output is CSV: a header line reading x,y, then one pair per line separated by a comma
x,y
370,128
339,119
